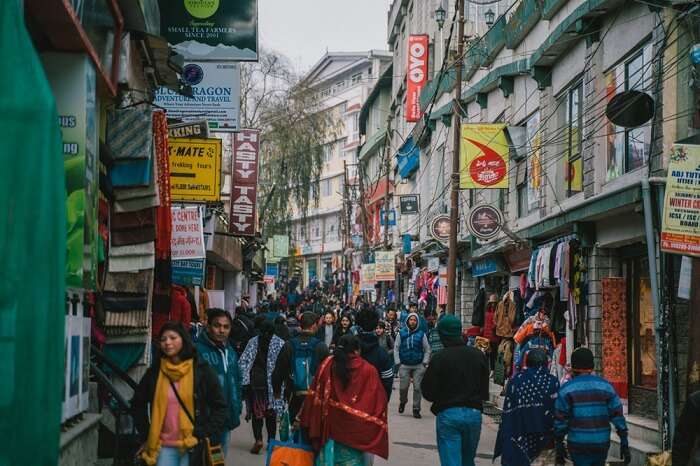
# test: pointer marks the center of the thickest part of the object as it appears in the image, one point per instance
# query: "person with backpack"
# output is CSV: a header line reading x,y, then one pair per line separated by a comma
x,y
412,352
298,363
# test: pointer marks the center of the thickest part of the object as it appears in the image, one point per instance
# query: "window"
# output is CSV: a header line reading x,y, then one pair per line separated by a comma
x,y
521,190
628,149
325,93
302,231
328,153
316,229
532,168
356,78
327,187
573,125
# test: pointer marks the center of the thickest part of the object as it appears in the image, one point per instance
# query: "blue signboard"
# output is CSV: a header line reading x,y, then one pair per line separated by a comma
x,y
188,272
407,240
408,158
392,217
272,269
485,267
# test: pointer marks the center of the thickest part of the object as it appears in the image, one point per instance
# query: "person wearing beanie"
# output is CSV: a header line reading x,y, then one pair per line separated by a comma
x,y
371,351
412,352
456,383
584,409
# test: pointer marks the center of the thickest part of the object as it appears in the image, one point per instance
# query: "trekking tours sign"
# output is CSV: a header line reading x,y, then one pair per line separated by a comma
x,y
211,29
483,157
680,228
195,169
243,214
417,75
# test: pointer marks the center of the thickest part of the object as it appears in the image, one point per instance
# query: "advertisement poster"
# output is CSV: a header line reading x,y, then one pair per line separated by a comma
x,y
195,169
188,272
417,75
72,80
280,246
243,215
367,277
194,129
384,266
216,90
187,234
680,228
483,157
211,29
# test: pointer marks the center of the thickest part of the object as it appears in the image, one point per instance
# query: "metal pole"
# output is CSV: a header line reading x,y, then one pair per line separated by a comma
x,y
387,168
454,195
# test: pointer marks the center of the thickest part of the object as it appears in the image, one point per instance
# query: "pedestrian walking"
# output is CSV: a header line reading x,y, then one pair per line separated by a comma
x,y
372,351
526,434
346,414
584,410
412,352
178,385
327,330
257,364
685,439
344,328
213,346
392,323
298,364
242,329
385,339
457,383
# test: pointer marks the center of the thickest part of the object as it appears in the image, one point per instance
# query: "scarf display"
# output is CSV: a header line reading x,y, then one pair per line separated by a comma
x,y
183,375
354,416
528,417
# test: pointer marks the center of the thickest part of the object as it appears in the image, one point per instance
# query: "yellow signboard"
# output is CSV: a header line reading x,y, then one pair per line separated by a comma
x,y
483,157
195,169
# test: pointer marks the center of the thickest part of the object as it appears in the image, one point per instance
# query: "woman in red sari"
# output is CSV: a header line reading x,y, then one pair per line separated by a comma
x,y
345,413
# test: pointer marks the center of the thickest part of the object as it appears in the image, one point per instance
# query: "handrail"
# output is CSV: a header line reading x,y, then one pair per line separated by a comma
x,y
103,379
102,358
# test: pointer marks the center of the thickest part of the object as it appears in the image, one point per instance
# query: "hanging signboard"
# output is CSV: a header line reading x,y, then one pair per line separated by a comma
x,y
439,228
680,229
187,234
409,204
391,217
483,157
384,267
367,277
216,89
433,264
189,272
195,129
485,221
243,214
485,267
272,269
195,169
280,246
211,29
417,75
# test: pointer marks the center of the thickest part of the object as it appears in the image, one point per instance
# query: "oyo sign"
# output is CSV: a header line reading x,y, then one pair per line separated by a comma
x,y
417,75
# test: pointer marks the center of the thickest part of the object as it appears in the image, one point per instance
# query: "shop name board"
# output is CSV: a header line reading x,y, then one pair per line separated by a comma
x,y
243,214
409,204
196,129
680,230
483,156
439,228
195,169
216,89
417,75
188,272
485,267
187,241
485,221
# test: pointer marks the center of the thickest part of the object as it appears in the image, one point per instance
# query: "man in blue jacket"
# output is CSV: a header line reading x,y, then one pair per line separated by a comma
x,y
213,346
412,352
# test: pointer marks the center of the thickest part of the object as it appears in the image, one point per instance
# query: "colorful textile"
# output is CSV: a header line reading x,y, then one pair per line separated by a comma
x,y
355,416
163,212
528,417
615,333
128,133
337,454
584,409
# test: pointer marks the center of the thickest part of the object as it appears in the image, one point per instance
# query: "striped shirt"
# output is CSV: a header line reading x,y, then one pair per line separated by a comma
x,y
584,410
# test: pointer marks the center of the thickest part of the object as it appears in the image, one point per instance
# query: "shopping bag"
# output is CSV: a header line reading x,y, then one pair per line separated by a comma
x,y
285,426
289,453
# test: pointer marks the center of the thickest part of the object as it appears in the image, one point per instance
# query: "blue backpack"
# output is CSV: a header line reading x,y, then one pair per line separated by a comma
x,y
305,362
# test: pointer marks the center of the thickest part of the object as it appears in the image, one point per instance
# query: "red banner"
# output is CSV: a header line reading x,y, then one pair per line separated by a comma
x,y
417,75
242,217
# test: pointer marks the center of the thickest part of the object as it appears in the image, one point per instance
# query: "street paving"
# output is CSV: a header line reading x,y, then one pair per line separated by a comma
x,y
411,441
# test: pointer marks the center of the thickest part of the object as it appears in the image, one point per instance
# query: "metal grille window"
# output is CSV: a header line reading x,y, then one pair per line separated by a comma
x,y
572,107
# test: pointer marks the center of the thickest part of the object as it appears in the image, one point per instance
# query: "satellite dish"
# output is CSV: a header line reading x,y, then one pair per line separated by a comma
x,y
630,109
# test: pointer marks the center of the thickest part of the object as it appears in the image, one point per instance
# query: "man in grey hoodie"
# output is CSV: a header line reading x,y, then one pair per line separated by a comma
x,y
412,352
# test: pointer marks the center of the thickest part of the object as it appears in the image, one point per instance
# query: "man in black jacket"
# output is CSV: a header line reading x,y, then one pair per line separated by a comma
x,y
457,383
685,452
370,350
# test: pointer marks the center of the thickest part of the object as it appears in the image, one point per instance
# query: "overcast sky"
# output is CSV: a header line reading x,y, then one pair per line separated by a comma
x,y
303,29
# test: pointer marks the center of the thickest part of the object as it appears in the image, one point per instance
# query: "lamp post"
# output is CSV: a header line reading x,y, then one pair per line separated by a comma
x,y
440,16
489,17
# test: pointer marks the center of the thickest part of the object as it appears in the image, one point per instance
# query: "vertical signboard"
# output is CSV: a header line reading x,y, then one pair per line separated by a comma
x,y
367,278
483,157
242,218
384,266
680,228
187,240
417,75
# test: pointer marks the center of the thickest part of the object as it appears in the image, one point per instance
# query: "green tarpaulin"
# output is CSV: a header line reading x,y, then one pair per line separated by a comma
x,y
32,249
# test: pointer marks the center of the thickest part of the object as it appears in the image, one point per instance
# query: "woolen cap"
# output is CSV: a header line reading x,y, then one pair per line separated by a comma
x,y
450,328
582,360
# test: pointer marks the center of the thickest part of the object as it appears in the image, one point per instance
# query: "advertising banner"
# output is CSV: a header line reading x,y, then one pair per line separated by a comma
x,y
384,268
189,272
280,245
216,91
367,277
680,228
73,82
417,74
187,234
409,204
483,157
211,29
195,169
243,215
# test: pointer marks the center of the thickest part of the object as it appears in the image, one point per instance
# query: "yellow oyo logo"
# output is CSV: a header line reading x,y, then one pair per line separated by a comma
x,y
201,9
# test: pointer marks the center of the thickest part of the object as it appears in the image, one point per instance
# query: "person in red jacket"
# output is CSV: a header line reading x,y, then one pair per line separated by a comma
x,y
490,329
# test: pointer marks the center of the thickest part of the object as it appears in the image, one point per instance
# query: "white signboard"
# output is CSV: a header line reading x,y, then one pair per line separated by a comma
x,y
187,234
216,89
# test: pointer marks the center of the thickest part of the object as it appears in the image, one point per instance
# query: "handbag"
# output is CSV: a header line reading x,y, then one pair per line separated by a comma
x,y
208,453
290,453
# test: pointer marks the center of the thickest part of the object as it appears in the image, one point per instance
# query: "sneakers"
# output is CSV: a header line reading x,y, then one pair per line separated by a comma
x,y
402,407
416,414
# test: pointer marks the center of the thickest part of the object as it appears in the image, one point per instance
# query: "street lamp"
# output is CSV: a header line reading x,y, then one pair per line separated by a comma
x,y
490,17
440,16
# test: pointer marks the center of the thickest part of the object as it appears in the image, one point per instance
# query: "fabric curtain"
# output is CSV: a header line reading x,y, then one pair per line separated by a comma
x,y
615,334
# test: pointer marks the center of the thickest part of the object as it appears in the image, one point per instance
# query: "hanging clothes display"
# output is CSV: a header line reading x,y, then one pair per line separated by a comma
x,y
505,316
478,308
